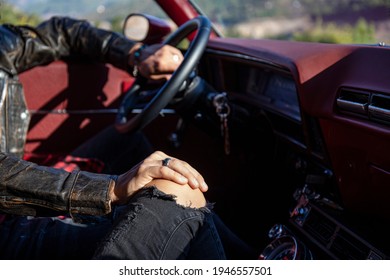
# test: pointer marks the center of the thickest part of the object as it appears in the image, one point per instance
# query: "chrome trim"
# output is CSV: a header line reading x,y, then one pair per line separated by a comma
x,y
93,111
379,112
352,106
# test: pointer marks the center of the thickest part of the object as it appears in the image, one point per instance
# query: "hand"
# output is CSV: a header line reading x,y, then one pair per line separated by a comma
x,y
158,62
151,168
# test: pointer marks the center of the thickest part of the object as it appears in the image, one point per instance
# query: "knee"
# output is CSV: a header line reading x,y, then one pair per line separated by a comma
x,y
184,194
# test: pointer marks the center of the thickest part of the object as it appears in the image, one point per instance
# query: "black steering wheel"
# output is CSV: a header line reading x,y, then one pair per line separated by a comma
x,y
168,91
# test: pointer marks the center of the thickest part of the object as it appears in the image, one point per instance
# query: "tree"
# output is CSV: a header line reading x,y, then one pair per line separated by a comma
x,y
11,15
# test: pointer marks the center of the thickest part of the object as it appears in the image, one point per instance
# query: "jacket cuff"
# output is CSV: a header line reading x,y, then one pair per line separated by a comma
x,y
89,194
119,53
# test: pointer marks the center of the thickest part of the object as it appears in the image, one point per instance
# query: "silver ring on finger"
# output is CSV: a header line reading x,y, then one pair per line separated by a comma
x,y
165,161
175,58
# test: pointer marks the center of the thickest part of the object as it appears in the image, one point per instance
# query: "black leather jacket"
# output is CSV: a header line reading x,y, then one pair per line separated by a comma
x,y
29,189
22,47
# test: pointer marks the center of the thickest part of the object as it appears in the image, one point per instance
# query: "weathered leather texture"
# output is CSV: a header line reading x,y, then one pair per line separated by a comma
x,y
22,47
29,189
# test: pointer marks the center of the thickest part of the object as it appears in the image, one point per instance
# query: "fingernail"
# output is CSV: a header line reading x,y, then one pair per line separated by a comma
x,y
204,186
195,182
183,179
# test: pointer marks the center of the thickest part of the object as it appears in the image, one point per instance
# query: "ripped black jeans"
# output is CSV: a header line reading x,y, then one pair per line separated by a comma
x,y
151,226
159,227
154,226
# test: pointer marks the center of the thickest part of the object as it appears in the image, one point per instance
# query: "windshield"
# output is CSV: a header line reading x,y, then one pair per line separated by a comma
x,y
106,14
328,21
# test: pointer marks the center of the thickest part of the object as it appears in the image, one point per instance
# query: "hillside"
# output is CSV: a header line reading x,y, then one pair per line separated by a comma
x,y
81,8
226,9
256,18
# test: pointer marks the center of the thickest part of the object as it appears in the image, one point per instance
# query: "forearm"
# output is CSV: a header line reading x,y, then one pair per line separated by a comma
x,y
60,38
26,188
74,37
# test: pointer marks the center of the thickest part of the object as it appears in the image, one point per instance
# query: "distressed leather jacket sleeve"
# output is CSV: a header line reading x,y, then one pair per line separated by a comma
x,y
24,47
30,189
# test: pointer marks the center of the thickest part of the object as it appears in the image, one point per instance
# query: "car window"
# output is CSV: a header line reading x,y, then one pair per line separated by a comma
x,y
108,14
329,21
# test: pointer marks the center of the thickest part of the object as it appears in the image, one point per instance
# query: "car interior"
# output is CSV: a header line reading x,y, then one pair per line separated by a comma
x,y
292,137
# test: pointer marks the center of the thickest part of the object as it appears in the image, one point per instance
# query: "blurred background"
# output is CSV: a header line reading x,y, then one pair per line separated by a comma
x,y
329,21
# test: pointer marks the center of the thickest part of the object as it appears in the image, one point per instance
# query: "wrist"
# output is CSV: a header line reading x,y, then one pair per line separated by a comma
x,y
122,189
135,57
113,191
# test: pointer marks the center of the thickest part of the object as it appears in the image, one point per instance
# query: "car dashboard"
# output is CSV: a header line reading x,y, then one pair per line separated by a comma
x,y
304,110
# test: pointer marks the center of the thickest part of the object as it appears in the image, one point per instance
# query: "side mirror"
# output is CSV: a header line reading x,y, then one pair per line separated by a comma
x,y
145,28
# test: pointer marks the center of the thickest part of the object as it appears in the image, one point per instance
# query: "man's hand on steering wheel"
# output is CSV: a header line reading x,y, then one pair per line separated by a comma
x,y
155,62
159,62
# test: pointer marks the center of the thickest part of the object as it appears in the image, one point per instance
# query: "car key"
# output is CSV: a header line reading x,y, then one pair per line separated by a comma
x,y
222,109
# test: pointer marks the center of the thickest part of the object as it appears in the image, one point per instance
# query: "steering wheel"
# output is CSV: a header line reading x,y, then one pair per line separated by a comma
x,y
168,91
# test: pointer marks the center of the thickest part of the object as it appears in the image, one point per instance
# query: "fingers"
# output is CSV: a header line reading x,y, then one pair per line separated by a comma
x,y
195,179
177,170
151,168
168,58
159,62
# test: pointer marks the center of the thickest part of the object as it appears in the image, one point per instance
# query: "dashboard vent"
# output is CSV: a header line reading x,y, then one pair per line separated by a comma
x,y
345,246
320,229
379,108
335,239
372,105
353,101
